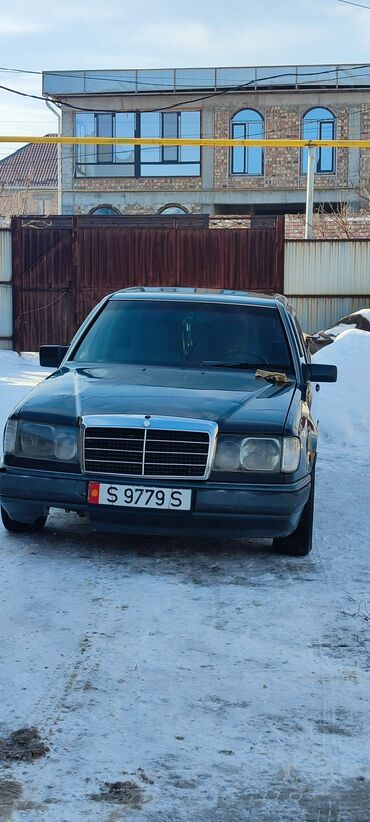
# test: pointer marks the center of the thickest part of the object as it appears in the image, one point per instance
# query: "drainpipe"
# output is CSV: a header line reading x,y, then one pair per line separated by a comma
x,y
58,114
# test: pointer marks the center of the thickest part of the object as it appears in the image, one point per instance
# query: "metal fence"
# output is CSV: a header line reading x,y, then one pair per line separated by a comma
x,y
326,279
6,297
63,266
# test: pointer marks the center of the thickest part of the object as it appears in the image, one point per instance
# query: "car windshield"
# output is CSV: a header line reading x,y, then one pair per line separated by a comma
x,y
186,334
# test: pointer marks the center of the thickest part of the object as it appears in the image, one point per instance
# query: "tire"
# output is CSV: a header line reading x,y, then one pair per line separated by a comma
x,y
16,527
299,543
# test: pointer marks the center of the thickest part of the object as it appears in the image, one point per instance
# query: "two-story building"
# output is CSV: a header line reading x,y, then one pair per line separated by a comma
x,y
253,102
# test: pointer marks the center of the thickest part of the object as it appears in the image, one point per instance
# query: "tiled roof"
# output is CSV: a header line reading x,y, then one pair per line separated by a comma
x,y
32,166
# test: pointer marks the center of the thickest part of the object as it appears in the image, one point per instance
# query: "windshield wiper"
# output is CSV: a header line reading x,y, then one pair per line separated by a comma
x,y
252,365
225,364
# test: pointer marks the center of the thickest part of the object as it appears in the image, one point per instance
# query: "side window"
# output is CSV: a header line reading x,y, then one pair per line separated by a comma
x,y
298,336
301,338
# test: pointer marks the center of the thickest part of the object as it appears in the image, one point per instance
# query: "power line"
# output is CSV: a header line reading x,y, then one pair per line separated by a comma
x,y
109,76
351,3
210,142
286,132
186,102
267,132
229,90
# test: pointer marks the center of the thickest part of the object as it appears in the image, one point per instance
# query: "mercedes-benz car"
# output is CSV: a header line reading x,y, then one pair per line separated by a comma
x,y
173,411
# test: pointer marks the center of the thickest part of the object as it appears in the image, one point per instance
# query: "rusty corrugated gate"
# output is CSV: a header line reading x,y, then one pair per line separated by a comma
x,y
62,266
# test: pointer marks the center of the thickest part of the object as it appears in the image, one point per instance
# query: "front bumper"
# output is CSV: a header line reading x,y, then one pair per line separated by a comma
x,y
218,509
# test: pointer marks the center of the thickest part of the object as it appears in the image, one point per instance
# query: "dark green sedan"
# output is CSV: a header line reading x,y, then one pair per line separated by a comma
x,y
173,411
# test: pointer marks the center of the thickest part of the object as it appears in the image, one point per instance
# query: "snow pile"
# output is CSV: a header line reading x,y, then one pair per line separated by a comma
x,y
18,374
365,312
358,319
343,408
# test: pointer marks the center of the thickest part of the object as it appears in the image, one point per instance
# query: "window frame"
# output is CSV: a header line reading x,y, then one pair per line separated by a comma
x,y
165,114
163,209
162,162
246,149
137,164
113,210
319,123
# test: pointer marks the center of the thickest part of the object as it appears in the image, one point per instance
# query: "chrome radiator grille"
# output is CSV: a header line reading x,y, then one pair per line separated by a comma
x,y
148,452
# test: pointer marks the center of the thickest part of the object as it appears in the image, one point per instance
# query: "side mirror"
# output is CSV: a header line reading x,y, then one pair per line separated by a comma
x,y
315,372
52,355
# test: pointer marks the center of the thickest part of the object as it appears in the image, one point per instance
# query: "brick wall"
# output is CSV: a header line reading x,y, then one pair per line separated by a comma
x,y
27,201
137,184
325,226
282,166
282,113
365,155
330,227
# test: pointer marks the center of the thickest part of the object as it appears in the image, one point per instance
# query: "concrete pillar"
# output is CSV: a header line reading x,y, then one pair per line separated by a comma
x,y
67,158
208,157
354,155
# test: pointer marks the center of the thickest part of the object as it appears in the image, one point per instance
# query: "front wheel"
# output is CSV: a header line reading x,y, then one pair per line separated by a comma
x,y
17,527
299,543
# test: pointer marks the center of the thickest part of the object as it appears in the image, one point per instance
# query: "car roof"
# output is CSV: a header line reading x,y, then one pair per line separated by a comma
x,y
200,295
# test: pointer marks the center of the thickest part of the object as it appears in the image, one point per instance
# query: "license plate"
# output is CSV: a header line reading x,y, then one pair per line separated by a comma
x,y
131,496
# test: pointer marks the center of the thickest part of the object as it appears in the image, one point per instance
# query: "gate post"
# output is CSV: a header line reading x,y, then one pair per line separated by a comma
x,y
279,254
76,273
16,283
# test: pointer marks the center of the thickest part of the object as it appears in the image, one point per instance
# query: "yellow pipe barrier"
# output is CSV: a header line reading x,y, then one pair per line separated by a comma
x,y
203,142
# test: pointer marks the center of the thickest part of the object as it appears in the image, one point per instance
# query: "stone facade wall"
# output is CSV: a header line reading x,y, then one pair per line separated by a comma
x,y
365,155
329,227
282,181
169,184
325,226
282,166
27,201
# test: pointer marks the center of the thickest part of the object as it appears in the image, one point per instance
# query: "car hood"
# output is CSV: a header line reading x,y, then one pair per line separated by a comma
x,y
236,400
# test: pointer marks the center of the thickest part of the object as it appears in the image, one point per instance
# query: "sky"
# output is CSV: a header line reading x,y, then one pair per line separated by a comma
x,y
89,34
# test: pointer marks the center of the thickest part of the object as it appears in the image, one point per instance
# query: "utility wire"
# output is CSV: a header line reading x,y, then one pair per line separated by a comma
x,y
96,76
291,130
229,90
351,3
185,102
269,132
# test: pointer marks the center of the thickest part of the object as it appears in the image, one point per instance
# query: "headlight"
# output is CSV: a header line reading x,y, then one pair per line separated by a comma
x,y
257,454
260,454
35,441
291,454
10,434
227,455
39,441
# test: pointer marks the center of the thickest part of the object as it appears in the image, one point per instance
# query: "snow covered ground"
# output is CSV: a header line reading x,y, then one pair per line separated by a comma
x,y
195,681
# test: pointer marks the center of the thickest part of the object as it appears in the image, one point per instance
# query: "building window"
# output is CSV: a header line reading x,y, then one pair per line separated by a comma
x,y
101,160
173,208
170,161
43,205
247,124
104,210
138,161
319,124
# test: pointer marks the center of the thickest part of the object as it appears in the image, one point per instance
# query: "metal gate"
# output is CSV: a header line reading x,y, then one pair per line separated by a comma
x,y
63,266
6,312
